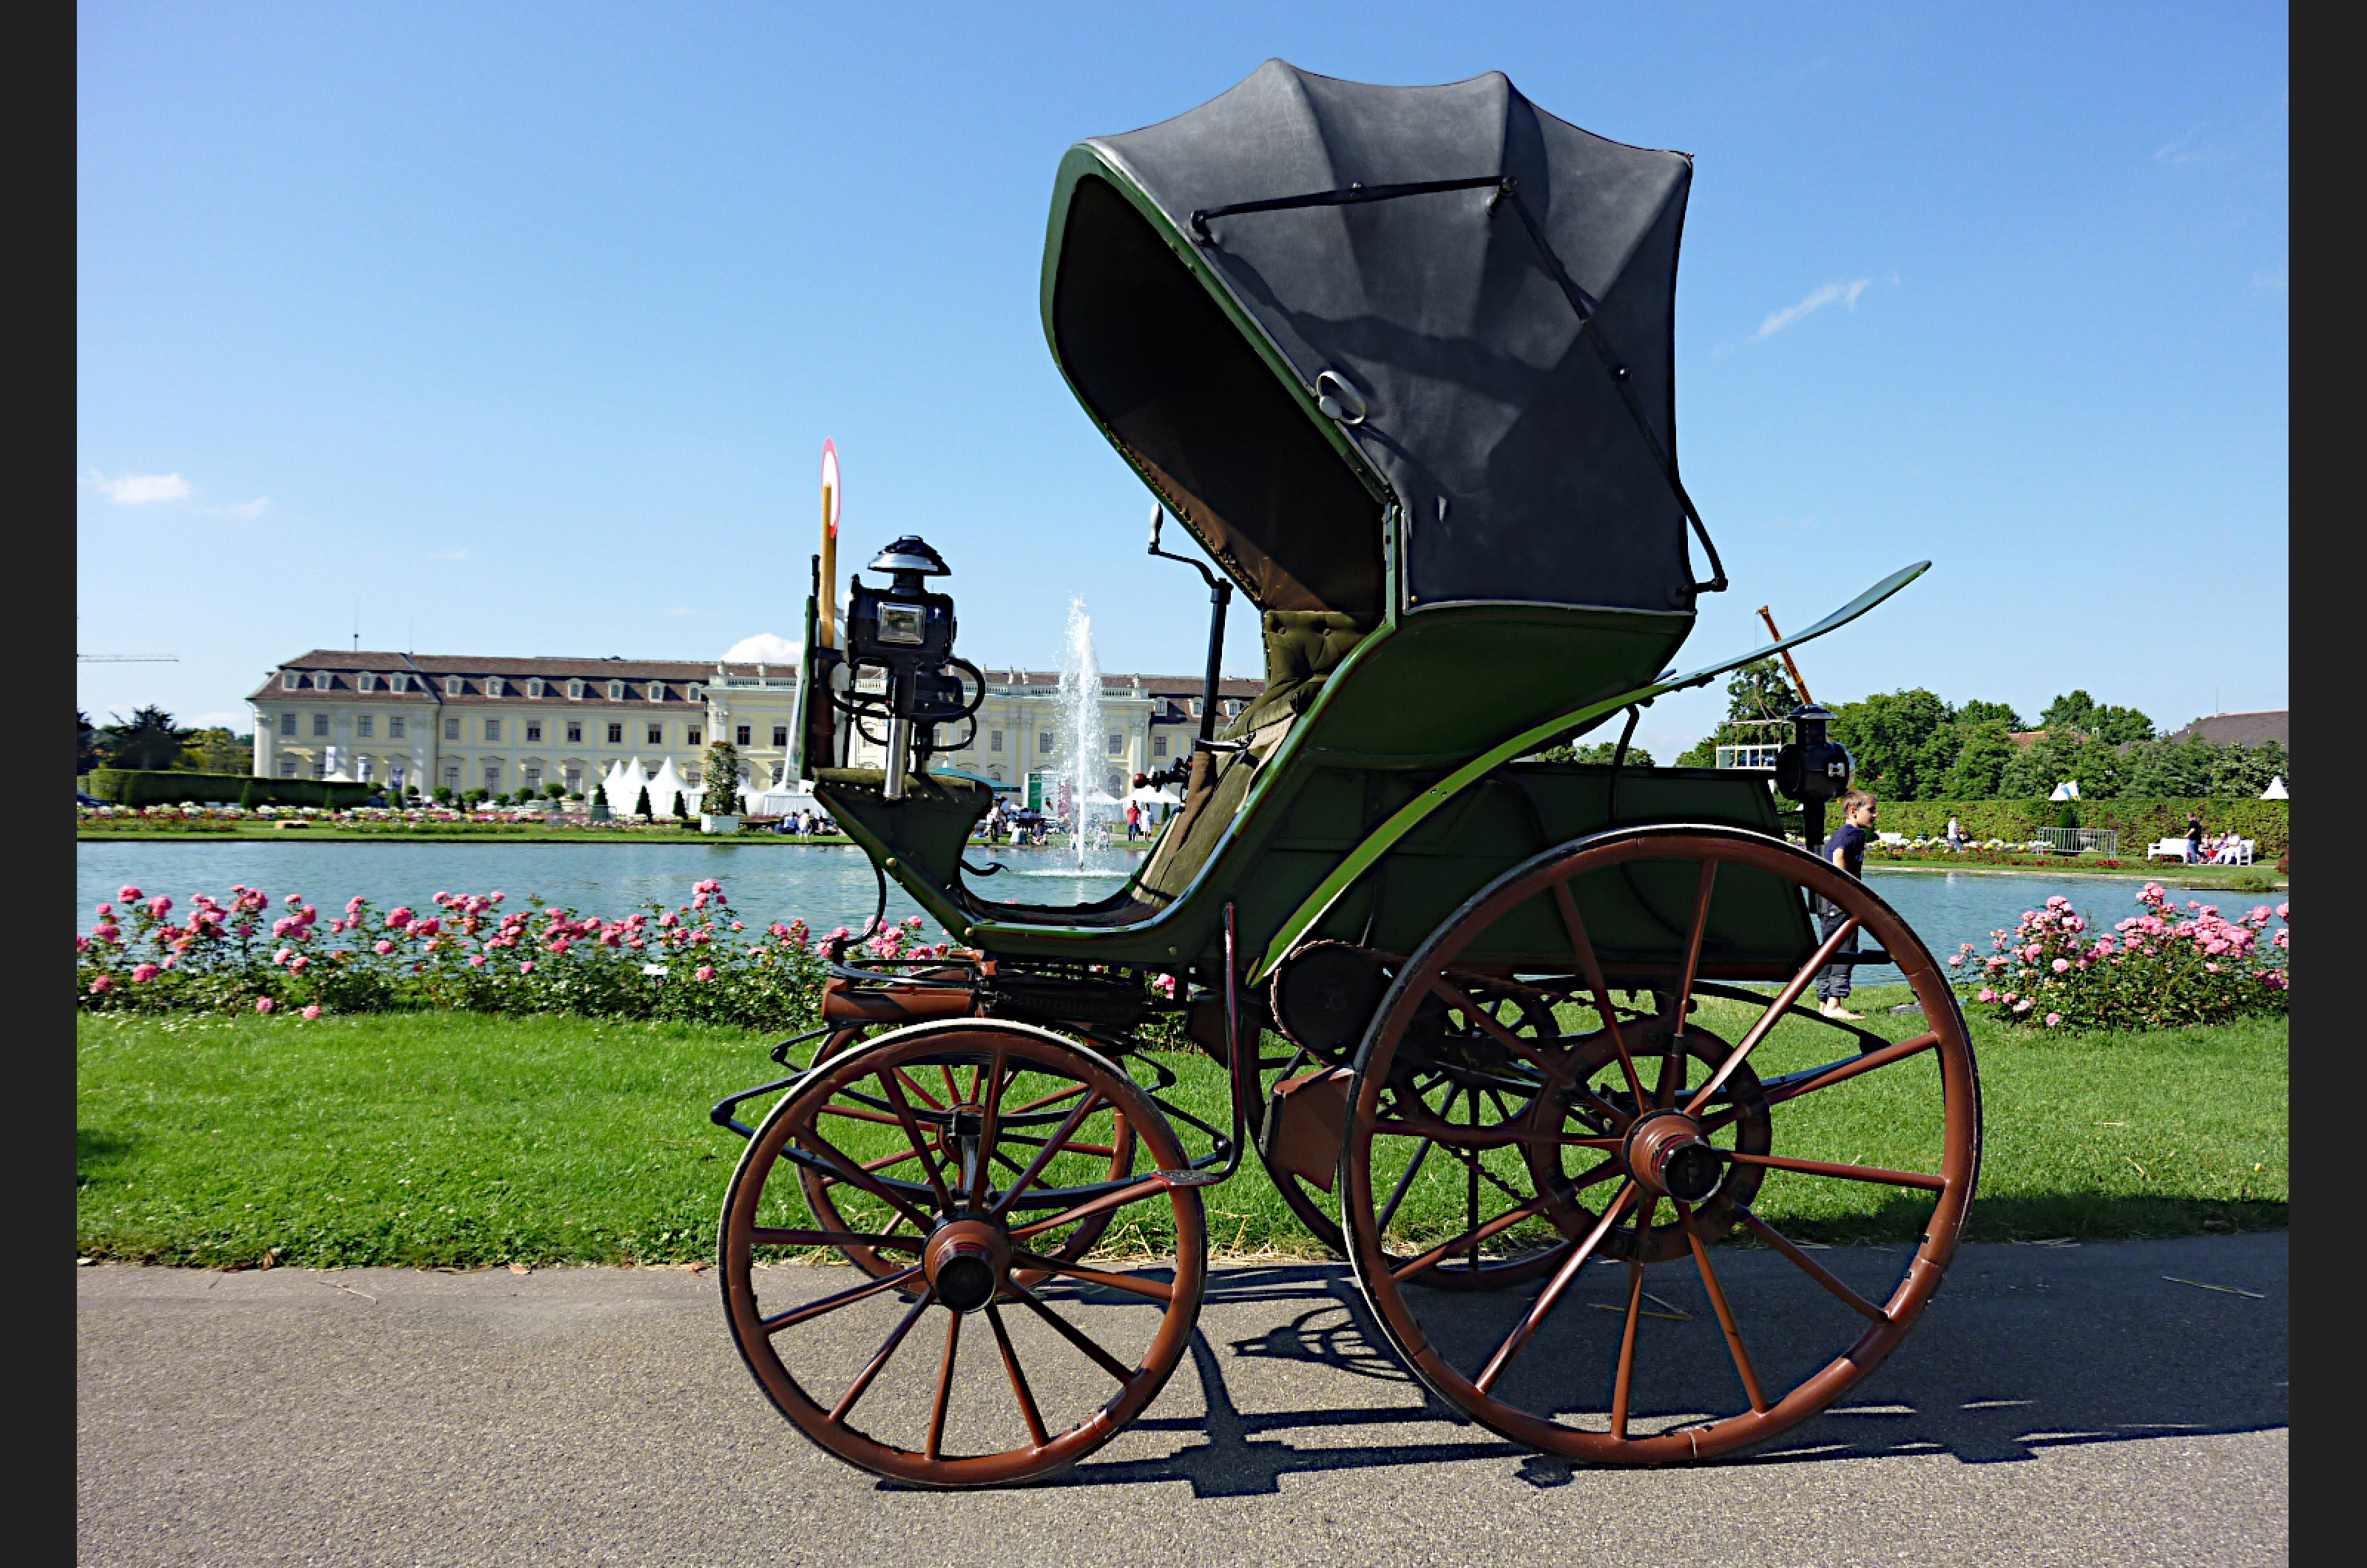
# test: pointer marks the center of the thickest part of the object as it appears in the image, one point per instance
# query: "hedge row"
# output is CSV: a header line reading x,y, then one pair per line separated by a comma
x,y
127,786
2139,821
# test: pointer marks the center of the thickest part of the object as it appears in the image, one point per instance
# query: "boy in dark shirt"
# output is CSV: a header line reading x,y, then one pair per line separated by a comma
x,y
1845,849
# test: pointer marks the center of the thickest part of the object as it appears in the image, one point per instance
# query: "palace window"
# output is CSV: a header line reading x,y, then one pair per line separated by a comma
x,y
534,687
320,679
780,735
492,685
451,729
289,680
657,735
575,731
362,682
1117,745
397,727
690,736
451,775
693,693
397,683
1158,745
576,778
320,724
534,778
1044,742
690,776
616,691
493,729
616,735
574,691
365,726
657,691
995,740
493,777
742,733
534,729
365,768
319,767
287,724
286,767
454,685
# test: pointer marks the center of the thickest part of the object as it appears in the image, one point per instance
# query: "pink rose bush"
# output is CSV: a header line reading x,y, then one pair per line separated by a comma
x,y
698,961
2160,968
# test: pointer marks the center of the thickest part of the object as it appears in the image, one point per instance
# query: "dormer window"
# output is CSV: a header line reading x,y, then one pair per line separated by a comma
x,y
616,691
574,691
694,693
657,691
320,679
362,682
534,687
454,685
289,680
397,683
492,685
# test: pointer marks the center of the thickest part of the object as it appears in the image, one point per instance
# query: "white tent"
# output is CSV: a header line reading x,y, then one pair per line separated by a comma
x,y
779,801
665,788
1146,796
623,786
2276,790
2067,790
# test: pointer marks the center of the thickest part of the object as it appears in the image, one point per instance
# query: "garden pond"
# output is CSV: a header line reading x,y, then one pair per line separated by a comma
x,y
830,886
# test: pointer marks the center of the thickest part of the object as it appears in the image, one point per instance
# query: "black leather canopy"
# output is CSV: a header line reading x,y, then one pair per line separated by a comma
x,y
1495,342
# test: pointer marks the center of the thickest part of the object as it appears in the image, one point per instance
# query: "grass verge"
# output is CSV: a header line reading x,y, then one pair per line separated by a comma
x,y
462,1140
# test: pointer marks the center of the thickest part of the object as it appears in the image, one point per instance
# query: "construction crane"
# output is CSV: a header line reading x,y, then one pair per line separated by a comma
x,y
127,658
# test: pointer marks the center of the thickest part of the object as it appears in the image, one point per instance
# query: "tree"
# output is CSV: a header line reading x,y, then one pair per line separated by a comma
x,y
721,771
1979,771
1754,694
681,810
641,803
250,793
217,751
443,796
150,740
2075,710
2038,768
554,790
1978,712
87,756
1903,742
1603,752
2175,769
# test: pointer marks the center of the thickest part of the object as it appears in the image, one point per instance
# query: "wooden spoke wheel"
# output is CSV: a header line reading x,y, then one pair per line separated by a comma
x,y
933,1090
1652,1141
1061,1355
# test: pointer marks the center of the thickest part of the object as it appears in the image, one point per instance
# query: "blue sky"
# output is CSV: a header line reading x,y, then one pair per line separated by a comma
x,y
515,329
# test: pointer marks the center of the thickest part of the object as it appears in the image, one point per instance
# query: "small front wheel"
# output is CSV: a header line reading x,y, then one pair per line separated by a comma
x,y
978,1193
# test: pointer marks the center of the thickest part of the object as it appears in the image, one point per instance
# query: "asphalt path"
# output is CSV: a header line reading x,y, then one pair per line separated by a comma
x,y
2055,1405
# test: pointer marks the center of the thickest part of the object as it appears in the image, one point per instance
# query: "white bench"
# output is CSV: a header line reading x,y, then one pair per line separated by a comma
x,y
2175,849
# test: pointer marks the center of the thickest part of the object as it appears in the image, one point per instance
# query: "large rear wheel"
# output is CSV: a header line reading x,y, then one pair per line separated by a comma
x,y
1652,1139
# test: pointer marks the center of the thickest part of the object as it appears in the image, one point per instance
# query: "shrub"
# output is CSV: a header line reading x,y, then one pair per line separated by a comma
x,y
130,786
2155,970
641,802
2139,820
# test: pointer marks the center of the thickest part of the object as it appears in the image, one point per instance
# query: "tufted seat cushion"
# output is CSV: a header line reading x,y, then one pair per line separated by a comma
x,y
1303,646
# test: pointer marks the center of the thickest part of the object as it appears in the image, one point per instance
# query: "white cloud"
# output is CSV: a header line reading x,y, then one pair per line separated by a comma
x,y
447,555
138,490
2182,149
687,610
762,649
245,511
1843,293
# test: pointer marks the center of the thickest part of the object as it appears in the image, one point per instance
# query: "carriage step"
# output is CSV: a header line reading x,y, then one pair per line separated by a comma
x,y
1307,1123
1207,1177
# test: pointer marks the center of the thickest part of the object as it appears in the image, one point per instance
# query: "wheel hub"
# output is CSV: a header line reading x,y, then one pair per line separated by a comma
x,y
968,1263
1667,1155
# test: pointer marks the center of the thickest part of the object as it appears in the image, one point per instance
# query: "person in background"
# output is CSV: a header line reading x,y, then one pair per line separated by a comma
x,y
2193,836
1133,820
1955,833
1846,848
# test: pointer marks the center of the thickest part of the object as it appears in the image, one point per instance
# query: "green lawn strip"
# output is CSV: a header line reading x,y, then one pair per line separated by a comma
x,y
463,1140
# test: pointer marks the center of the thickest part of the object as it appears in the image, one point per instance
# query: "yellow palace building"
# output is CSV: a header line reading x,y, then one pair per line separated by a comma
x,y
463,722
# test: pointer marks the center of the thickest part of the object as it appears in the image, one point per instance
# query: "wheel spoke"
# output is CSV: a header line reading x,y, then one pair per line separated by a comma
x,y
1718,1301
1623,1382
993,1075
1554,1289
766,1235
1405,1185
862,1379
1053,1099
918,1092
945,1388
1775,1010
1593,973
920,1144
1672,1064
857,1113
1026,1395
1850,1066
1841,1172
1150,1187
1455,998
1471,1211
1473,1238
1494,1137
1071,1333
1135,1285
1809,1265
1052,1145
829,1154
869,1287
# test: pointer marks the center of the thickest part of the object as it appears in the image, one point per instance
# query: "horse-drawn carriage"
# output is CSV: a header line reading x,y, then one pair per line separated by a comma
x,y
1506,1033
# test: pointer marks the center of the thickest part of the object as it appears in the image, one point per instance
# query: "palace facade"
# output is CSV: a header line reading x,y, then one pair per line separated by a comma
x,y
463,722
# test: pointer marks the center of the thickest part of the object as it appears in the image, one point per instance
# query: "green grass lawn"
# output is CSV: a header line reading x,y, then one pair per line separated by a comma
x,y
464,1139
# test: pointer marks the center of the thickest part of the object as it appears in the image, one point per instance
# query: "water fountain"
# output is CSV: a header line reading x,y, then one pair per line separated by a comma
x,y
1087,804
